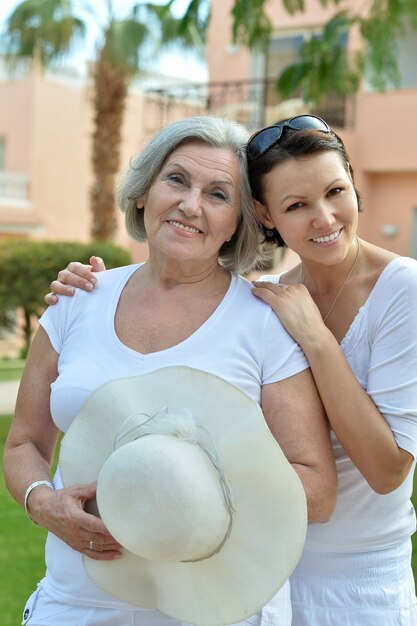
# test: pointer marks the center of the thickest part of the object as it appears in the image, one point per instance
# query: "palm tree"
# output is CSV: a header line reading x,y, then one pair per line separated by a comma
x,y
116,63
48,29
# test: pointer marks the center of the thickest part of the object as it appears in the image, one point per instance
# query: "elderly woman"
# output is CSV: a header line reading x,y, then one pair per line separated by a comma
x,y
188,195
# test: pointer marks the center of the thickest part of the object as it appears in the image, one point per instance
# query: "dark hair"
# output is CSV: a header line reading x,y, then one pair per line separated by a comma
x,y
292,145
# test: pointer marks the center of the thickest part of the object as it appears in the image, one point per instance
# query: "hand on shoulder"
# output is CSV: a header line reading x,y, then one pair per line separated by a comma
x,y
75,275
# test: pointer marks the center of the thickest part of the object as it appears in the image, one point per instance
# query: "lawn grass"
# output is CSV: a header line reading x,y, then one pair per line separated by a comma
x,y
21,550
22,562
11,369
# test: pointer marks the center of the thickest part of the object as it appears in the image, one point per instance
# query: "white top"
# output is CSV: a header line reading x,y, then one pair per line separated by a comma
x,y
242,341
381,348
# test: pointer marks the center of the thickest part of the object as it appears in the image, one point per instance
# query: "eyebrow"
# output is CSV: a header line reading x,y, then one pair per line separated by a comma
x,y
221,181
336,181
292,197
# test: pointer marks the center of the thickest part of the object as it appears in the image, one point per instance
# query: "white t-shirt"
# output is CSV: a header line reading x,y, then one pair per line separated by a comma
x,y
381,348
242,342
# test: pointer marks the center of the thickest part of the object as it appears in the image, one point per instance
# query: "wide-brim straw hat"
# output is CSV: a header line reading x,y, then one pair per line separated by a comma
x,y
191,482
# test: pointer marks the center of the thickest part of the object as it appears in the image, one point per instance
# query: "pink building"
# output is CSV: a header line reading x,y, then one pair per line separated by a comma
x,y
45,130
45,172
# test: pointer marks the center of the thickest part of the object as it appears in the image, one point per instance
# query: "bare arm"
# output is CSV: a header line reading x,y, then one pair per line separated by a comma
x,y
361,429
75,275
296,418
358,424
29,454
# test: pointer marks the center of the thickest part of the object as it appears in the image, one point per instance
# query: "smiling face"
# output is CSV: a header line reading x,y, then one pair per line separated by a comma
x,y
312,203
193,206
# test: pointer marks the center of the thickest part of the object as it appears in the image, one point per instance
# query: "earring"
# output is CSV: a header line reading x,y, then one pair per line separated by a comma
x,y
269,232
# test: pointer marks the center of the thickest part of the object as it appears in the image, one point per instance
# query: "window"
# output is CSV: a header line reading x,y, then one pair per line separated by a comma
x,y
407,53
282,52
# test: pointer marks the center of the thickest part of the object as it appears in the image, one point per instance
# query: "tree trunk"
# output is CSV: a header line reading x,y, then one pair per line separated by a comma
x,y
27,329
111,88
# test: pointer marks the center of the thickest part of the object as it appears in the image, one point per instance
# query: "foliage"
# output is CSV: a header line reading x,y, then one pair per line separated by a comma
x,y
382,30
191,28
49,29
27,268
251,25
45,29
324,66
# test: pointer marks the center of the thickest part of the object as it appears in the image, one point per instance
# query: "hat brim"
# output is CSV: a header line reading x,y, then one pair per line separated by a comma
x,y
270,519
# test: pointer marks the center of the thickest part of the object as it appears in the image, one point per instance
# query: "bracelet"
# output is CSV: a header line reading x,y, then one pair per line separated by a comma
x,y
29,490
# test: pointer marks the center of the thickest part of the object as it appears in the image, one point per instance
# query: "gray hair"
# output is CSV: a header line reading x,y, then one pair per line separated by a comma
x,y
244,249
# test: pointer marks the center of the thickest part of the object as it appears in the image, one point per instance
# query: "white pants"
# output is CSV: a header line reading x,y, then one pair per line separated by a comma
x,y
374,588
42,610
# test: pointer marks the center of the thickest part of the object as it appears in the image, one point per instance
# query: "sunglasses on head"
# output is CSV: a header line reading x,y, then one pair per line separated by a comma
x,y
264,139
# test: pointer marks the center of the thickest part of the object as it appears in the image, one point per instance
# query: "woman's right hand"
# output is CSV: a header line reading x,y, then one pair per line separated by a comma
x,y
63,513
75,275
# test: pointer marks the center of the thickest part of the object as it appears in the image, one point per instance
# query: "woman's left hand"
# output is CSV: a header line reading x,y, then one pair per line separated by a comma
x,y
294,306
75,275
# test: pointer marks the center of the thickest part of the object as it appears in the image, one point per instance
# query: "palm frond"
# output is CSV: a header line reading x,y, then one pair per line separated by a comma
x,y
43,28
189,30
123,40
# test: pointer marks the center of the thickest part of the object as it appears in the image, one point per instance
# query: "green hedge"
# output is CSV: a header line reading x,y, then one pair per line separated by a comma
x,y
28,267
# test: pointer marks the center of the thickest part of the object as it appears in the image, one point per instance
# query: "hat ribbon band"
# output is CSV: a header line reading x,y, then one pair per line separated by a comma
x,y
181,424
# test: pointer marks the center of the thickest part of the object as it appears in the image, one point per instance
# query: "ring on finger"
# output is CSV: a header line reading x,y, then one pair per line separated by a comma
x,y
91,545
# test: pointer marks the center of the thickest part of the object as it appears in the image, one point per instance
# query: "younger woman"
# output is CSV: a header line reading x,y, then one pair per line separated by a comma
x,y
351,307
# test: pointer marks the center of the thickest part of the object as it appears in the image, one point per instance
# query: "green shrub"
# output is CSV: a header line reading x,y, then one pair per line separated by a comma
x,y
28,267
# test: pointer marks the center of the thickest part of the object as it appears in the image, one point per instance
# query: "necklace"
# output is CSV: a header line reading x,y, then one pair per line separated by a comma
x,y
333,304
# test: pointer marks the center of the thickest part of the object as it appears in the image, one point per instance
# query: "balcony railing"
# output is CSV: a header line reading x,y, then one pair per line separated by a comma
x,y
253,102
14,189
